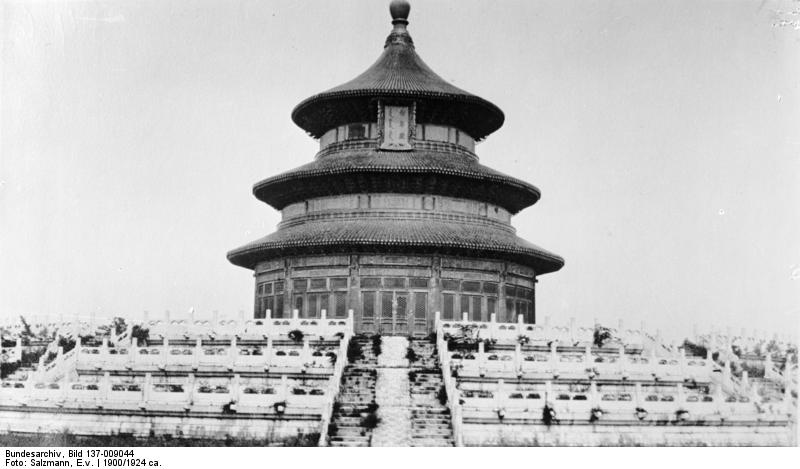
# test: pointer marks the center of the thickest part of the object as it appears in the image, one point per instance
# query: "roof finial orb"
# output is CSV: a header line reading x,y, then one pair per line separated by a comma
x,y
399,9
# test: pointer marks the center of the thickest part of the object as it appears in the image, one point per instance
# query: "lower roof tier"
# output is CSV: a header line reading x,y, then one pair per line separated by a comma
x,y
364,170
407,235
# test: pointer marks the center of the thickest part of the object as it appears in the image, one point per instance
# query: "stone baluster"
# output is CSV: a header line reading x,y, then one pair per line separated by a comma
x,y
464,317
572,330
548,392
637,394
198,352
493,326
520,321
553,357
500,395
104,348
105,387
190,391
233,353
350,319
517,358
284,393
147,389
268,316
240,321
268,353
594,397
295,318
235,387
481,354
305,354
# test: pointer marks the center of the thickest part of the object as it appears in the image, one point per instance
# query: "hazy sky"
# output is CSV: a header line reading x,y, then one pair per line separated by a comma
x,y
663,136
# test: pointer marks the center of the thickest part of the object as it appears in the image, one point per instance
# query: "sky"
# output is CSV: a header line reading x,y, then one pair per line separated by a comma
x,y
663,136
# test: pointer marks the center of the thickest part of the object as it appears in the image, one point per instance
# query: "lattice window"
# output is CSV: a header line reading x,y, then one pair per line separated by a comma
x,y
451,285
510,291
448,306
279,287
418,283
476,308
338,284
323,303
312,307
402,306
491,306
420,305
319,284
471,286
490,287
386,304
394,282
267,288
464,306
522,308
369,304
340,299
370,283
510,311
300,285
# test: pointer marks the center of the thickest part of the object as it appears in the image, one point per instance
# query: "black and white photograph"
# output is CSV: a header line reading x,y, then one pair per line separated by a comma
x,y
396,223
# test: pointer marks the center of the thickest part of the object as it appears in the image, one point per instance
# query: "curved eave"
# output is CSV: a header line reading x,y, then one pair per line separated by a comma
x,y
422,236
408,172
472,114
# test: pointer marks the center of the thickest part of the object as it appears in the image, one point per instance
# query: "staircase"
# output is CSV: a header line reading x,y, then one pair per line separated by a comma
x,y
356,393
409,409
430,419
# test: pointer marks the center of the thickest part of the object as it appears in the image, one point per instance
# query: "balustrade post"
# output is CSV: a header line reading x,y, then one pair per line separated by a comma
x,y
481,354
104,348
553,356
517,357
305,355
191,391
232,353
198,352
593,395
235,387
284,387
268,353
147,389
464,317
637,394
572,330
520,320
500,395
268,316
437,319
105,387
622,362
295,318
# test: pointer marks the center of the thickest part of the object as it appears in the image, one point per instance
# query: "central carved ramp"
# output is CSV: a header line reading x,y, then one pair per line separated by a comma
x,y
393,395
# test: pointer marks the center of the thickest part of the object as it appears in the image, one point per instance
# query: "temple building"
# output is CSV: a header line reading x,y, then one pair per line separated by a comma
x,y
396,218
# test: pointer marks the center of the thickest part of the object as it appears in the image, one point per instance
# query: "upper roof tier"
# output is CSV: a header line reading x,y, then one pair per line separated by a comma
x,y
399,73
